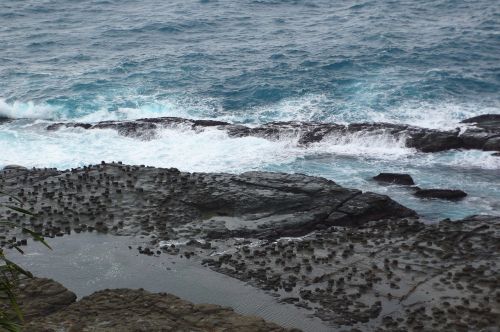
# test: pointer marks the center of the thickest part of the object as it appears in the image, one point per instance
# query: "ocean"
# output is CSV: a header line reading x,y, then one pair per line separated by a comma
x,y
424,63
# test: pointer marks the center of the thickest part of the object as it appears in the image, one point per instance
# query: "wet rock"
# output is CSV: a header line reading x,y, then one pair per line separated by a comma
x,y
449,194
387,275
205,205
367,207
480,135
351,258
485,133
396,178
486,121
434,141
492,144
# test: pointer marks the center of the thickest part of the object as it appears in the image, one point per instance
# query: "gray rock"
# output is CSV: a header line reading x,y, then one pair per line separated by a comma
x,y
132,199
395,275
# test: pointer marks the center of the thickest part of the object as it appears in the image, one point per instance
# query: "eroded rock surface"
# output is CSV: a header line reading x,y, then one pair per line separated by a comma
x,y
356,260
482,133
139,310
171,204
385,276
38,297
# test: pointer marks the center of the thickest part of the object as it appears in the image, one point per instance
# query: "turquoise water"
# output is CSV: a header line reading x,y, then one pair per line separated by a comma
x,y
427,63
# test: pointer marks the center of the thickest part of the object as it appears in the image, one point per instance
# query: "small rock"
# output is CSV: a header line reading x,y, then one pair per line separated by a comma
x,y
396,178
449,194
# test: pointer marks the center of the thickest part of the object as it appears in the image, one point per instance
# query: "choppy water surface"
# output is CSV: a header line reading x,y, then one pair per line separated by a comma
x,y
427,63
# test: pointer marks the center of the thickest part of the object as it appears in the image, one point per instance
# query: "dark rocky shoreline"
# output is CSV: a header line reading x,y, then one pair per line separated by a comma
x,y
356,260
482,132
170,204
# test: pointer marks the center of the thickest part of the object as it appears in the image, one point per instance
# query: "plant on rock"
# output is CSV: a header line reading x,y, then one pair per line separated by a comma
x,y
11,316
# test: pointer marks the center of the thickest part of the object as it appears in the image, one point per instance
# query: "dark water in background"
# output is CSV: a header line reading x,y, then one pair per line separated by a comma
x,y
228,57
428,63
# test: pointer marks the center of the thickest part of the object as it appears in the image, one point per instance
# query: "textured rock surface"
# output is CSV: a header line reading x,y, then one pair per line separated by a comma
x,y
483,132
139,310
171,204
385,271
39,297
387,276
397,275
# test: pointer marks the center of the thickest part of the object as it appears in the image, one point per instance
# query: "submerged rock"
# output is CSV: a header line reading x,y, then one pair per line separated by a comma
x,y
449,194
396,178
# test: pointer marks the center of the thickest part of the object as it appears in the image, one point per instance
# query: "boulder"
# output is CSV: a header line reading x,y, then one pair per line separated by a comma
x,y
396,178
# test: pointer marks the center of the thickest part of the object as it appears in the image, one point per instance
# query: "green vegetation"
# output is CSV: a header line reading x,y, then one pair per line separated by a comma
x,y
11,317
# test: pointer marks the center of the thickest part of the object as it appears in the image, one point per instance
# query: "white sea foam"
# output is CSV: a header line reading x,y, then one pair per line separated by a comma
x,y
306,108
27,110
28,143
362,144
144,108
461,159
211,150
444,116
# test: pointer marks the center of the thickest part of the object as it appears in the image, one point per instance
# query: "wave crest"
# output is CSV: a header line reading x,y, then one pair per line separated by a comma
x,y
28,110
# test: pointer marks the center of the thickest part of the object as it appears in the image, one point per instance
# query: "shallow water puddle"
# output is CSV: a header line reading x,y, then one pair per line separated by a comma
x,y
88,262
